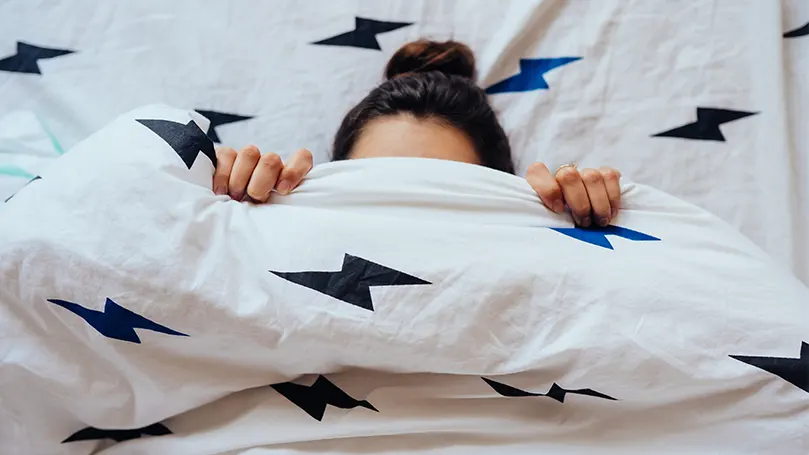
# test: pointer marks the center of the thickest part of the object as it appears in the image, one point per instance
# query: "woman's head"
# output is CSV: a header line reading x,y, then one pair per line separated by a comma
x,y
429,107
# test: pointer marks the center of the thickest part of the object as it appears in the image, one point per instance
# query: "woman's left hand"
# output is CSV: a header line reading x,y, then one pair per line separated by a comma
x,y
592,195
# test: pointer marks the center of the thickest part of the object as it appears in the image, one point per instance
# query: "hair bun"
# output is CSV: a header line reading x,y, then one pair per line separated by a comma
x,y
448,57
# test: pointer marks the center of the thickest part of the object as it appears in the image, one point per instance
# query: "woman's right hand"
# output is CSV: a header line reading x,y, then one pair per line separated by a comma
x,y
249,175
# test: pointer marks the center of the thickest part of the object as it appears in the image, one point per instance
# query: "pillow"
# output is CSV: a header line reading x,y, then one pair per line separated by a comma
x,y
408,290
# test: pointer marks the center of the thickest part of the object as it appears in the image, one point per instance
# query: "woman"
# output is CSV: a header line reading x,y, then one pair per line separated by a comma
x,y
429,107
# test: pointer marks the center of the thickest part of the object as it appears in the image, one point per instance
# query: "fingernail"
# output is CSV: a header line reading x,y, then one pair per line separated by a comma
x,y
237,196
558,206
219,190
614,213
283,187
603,222
585,222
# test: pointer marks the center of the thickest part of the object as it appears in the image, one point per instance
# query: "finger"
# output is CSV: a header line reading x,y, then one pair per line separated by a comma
x,y
597,192
225,157
541,180
264,177
575,194
242,170
612,182
296,167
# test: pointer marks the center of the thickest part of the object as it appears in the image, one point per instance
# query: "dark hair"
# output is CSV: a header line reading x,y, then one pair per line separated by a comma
x,y
432,80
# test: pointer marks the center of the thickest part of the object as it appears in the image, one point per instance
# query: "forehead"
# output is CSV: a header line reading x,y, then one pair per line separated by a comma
x,y
406,135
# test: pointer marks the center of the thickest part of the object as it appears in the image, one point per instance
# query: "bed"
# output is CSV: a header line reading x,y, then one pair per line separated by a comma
x,y
705,100
642,70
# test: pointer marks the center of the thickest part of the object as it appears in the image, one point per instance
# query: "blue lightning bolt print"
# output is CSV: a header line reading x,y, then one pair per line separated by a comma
x,y
531,75
598,235
115,321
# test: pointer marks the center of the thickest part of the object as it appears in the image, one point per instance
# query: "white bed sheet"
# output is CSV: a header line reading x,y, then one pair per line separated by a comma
x,y
645,67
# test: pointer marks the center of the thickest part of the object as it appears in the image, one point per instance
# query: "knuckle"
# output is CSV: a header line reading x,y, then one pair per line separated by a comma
x,y
260,196
251,152
272,161
602,209
305,154
591,176
293,173
610,174
580,217
602,212
567,176
580,211
536,168
226,153
552,193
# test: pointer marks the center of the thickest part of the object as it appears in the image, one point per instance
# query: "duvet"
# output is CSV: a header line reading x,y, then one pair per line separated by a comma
x,y
387,305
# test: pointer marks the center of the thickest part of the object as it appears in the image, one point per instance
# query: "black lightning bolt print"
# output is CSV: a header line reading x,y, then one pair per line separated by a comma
x,y
794,371
556,392
187,140
219,119
798,32
313,399
364,34
706,128
25,60
91,433
115,321
352,283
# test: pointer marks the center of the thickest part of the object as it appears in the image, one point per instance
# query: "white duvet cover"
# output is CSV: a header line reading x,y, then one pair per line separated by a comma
x,y
387,305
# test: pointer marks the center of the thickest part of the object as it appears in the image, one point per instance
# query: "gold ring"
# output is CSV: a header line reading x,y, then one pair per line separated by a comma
x,y
573,165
